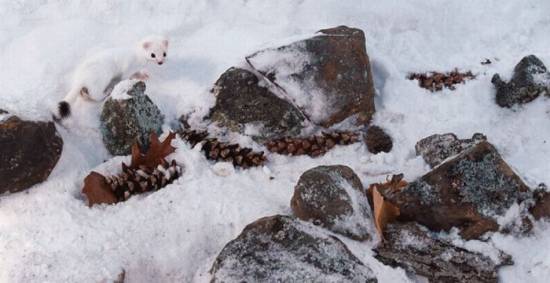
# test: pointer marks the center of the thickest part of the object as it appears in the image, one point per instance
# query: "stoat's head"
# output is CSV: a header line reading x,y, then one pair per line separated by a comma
x,y
154,49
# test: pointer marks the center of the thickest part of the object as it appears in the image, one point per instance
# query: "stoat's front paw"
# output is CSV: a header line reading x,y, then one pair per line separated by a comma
x,y
141,75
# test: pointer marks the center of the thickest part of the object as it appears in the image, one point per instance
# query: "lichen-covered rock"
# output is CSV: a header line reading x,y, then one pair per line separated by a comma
x,y
411,246
377,140
130,119
242,104
333,197
284,249
29,151
436,148
328,76
530,80
468,192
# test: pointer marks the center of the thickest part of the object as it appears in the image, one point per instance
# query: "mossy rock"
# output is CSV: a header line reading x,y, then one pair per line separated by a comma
x,y
125,121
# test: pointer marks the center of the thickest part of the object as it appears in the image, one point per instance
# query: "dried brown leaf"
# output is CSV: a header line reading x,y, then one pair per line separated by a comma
x,y
97,190
156,153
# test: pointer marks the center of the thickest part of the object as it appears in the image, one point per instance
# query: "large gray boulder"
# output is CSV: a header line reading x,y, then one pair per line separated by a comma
x,y
29,151
128,118
243,103
328,75
530,80
469,191
284,249
334,197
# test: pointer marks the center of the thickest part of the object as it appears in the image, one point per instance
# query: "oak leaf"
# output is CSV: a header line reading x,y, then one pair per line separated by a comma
x,y
155,154
97,190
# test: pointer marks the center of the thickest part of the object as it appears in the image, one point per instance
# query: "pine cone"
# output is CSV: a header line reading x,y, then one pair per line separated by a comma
x,y
143,179
220,151
313,146
435,81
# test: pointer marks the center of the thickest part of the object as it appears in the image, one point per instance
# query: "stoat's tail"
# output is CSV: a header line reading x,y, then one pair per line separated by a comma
x,y
64,106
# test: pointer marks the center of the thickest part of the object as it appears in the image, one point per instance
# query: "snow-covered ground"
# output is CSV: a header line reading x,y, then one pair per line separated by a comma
x,y
48,234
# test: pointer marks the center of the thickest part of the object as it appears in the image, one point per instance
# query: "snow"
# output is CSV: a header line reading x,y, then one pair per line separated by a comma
x,y
49,234
120,91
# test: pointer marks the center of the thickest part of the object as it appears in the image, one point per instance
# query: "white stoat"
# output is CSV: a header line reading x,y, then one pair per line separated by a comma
x,y
96,76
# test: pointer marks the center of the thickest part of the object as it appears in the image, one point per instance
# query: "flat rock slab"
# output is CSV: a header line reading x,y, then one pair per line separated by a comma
x,y
468,192
411,246
436,148
284,249
29,151
244,105
328,76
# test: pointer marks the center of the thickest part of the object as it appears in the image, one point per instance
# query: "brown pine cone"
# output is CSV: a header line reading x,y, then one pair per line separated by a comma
x,y
313,146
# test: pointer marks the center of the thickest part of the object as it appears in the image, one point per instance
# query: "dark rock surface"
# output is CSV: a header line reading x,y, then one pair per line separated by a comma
x,y
411,246
284,249
29,151
331,69
530,80
541,207
125,121
242,101
377,140
467,192
436,148
333,197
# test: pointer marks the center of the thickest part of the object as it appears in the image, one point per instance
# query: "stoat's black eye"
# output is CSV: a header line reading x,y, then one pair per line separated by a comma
x,y
153,55
164,54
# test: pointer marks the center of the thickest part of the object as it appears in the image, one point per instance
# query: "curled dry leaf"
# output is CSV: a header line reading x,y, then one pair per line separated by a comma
x,y
155,154
97,190
384,211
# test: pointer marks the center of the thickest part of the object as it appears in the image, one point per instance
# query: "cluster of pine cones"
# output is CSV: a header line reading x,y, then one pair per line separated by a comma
x,y
221,151
313,146
435,81
143,179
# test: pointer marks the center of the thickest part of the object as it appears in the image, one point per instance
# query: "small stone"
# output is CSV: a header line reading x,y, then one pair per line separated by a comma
x,y
284,249
530,80
541,208
377,140
334,197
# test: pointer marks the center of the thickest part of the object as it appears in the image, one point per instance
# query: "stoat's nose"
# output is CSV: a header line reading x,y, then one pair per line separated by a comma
x,y
160,63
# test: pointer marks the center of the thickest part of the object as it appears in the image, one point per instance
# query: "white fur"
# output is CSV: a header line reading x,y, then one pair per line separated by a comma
x,y
97,72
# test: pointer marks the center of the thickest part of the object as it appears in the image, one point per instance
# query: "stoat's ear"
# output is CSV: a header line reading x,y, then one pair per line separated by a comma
x,y
165,43
146,45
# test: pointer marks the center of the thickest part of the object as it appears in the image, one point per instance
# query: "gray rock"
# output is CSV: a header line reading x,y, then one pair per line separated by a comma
x,y
29,151
412,247
125,121
334,197
469,191
436,148
242,102
284,249
530,80
328,76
